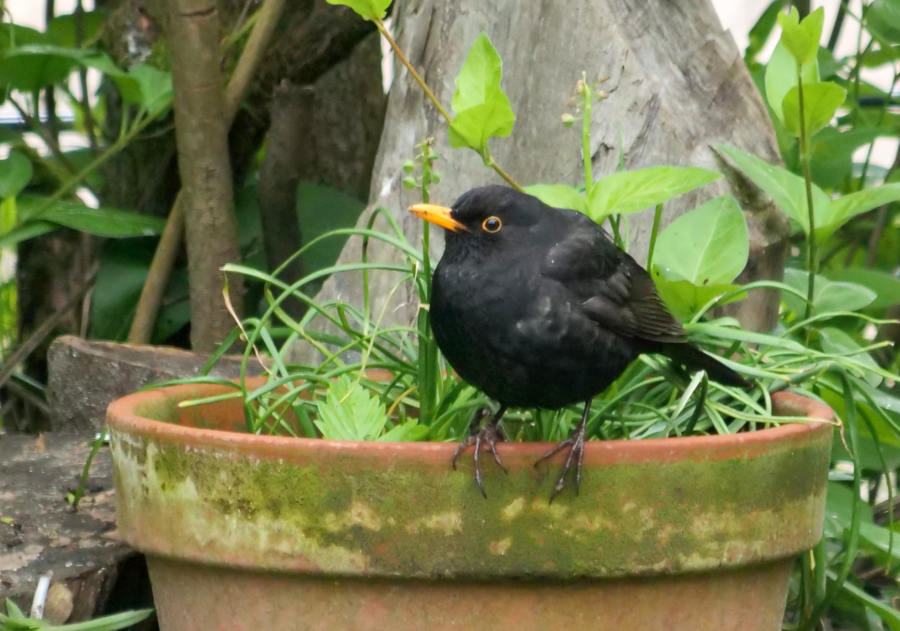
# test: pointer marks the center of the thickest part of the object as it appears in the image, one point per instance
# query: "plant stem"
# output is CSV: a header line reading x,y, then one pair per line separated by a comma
x,y
586,133
506,176
78,177
431,97
403,60
428,358
657,214
811,262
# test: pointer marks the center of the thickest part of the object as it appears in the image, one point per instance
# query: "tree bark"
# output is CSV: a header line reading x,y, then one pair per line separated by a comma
x,y
676,83
202,137
327,133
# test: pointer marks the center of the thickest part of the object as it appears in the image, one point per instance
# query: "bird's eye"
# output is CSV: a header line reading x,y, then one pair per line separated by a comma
x,y
491,224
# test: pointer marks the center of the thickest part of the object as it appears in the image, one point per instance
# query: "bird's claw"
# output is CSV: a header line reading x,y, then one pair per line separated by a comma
x,y
575,444
488,435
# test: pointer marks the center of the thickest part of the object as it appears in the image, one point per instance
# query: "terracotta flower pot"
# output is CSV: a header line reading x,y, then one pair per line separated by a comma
x,y
247,532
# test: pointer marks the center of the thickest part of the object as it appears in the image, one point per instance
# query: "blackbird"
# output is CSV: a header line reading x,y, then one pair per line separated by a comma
x,y
537,307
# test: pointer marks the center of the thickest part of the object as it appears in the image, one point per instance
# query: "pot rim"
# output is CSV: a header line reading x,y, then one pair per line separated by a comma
x,y
121,416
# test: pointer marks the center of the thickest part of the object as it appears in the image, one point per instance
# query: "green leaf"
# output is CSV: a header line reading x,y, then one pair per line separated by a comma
x,y
831,153
367,9
405,432
781,76
104,222
820,102
699,254
877,539
801,38
482,109
630,191
886,286
320,209
839,508
760,32
15,35
473,127
787,190
558,196
155,90
838,342
883,20
707,245
62,30
684,299
29,68
884,610
113,622
26,231
829,295
862,201
350,412
15,173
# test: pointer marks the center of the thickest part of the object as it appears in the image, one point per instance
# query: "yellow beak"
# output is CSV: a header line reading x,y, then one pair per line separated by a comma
x,y
438,215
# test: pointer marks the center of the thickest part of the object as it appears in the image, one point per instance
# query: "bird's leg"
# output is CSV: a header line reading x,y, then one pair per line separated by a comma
x,y
575,443
488,433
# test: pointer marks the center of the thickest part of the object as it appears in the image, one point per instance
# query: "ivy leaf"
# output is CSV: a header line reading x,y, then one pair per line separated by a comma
x,y
482,109
558,196
367,9
630,191
801,38
820,102
15,173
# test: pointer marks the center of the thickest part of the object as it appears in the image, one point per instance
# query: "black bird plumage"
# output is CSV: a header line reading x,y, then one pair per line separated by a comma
x,y
538,308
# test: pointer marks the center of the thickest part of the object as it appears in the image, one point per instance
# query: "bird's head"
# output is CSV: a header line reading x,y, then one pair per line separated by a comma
x,y
486,214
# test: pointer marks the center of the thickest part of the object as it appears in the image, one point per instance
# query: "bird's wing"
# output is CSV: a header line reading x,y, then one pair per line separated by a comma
x,y
612,288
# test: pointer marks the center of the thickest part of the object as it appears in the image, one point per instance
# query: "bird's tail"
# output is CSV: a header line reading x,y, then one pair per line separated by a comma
x,y
693,358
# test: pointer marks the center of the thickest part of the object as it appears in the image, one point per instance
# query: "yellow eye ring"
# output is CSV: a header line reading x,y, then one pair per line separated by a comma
x,y
491,224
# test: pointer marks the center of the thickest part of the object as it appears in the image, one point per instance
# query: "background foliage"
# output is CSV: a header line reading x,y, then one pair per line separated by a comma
x,y
840,292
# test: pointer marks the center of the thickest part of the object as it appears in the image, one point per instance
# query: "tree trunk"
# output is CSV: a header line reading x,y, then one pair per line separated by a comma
x,y
677,86
202,135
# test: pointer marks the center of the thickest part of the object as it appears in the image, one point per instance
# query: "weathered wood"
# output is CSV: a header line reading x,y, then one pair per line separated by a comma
x,y
86,375
40,533
676,85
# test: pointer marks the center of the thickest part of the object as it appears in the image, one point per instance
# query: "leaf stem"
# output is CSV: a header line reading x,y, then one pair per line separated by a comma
x,y
403,60
657,214
811,262
506,176
587,93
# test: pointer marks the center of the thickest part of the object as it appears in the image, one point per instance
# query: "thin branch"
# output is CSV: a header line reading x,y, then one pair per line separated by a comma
x,y
45,135
89,124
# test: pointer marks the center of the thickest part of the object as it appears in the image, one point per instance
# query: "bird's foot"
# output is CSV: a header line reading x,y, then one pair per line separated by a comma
x,y
488,436
575,444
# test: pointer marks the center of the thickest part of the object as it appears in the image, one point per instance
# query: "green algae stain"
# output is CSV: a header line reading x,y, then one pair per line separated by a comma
x,y
408,520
